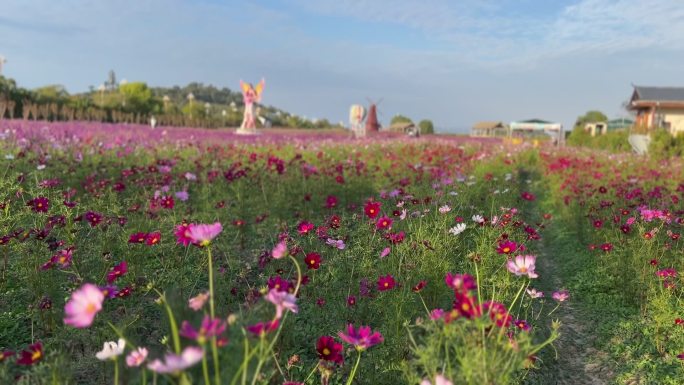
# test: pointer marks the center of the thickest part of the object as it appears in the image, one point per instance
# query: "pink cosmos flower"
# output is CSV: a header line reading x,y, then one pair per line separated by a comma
x,y
436,314
260,329
84,304
523,265
182,195
534,293
439,380
362,339
385,252
119,270
182,235
560,296
460,282
282,301
338,243
280,250
197,302
136,357
174,363
203,234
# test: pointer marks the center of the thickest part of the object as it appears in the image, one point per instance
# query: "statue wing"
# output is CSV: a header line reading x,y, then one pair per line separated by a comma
x,y
260,88
244,86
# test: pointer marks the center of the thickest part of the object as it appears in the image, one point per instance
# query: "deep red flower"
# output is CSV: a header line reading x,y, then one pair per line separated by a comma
x,y
330,201
606,247
329,350
5,354
119,270
334,222
351,301
278,283
313,261
182,233
522,325
153,238
467,305
419,287
31,355
386,283
39,204
139,237
167,202
372,209
498,314
528,196
93,218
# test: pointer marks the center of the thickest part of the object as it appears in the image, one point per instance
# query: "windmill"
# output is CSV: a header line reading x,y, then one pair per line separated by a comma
x,y
2,63
372,124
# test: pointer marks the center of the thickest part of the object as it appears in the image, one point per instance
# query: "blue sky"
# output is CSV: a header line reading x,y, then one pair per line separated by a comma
x,y
455,62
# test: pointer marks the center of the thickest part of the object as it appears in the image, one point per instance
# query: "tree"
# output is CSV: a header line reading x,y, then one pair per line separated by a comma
x,y
400,119
426,127
51,94
137,97
589,117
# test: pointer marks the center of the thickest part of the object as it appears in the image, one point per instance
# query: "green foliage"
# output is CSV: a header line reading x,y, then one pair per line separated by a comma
x,y
663,145
51,94
400,119
616,141
589,117
426,127
137,97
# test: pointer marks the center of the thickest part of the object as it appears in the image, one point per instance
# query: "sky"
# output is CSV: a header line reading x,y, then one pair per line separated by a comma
x,y
454,62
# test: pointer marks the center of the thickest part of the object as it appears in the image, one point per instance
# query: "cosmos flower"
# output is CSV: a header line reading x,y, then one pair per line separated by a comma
x,y
84,304
386,283
329,350
460,282
507,247
523,265
383,223
174,363
136,357
362,339
372,209
560,296
444,209
313,261
385,252
119,270
458,229
203,234
182,234
477,218
439,380
197,302
31,355
111,350
282,301
208,329
280,250
534,293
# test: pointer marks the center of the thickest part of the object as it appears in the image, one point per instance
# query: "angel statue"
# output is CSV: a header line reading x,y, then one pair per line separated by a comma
x,y
357,114
250,95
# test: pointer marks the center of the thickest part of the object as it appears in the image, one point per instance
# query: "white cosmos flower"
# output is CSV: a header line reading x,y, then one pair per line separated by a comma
x,y
477,218
444,209
111,350
458,229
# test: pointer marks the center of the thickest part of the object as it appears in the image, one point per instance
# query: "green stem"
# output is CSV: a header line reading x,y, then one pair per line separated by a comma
x,y
353,372
214,350
116,371
205,370
172,322
311,372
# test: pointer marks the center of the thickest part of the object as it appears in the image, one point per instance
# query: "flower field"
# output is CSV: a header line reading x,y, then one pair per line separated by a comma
x,y
187,256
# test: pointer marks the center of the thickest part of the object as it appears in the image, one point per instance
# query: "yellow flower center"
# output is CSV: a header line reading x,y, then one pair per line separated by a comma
x,y
36,355
90,308
326,351
506,249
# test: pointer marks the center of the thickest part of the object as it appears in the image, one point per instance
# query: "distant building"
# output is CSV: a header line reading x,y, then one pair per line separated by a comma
x,y
489,129
537,128
658,107
602,128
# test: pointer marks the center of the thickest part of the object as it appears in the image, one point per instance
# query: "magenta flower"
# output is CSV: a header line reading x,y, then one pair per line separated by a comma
x,y
362,339
262,328
523,265
84,304
560,296
282,301
386,283
182,235
174,363
117,271
507,247
460,282
203,234
210,328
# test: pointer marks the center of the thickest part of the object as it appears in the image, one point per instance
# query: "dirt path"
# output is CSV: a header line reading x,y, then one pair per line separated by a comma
x,y
578,361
